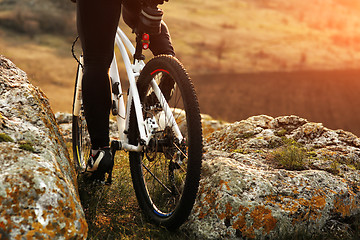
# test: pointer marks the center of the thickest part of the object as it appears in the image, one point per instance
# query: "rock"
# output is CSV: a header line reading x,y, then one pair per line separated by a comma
x,y
250,190
38,194
64,121
211,125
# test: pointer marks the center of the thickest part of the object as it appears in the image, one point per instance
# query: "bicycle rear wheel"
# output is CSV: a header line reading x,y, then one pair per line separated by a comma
x,y
80,136
166,174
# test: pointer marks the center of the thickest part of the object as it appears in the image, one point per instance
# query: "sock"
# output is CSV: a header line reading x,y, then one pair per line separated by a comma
x,y
95,151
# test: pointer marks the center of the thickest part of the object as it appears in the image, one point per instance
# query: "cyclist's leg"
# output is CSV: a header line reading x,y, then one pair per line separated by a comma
x,y
161,44
97,22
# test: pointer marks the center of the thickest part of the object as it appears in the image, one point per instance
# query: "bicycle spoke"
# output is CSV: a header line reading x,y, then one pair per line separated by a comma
x,y
157,179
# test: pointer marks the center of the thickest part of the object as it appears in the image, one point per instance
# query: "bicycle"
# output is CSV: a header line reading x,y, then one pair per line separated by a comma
x,y
160,127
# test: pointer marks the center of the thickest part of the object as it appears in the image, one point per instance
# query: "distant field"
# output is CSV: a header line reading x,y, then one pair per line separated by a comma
x,y
330,97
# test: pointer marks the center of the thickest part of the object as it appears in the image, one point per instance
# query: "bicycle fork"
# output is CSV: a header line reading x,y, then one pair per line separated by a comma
x,y
78,91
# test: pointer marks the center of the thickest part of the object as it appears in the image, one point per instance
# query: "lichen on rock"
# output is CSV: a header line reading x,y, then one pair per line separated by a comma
x,y
245,194
38,194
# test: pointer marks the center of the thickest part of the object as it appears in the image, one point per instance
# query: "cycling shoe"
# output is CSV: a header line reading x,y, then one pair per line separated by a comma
x,y
99,164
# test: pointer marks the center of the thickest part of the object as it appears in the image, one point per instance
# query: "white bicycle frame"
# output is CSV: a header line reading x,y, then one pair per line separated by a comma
x,y
146,126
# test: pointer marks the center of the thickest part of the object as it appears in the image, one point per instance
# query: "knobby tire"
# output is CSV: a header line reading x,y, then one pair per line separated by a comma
x,y
163,206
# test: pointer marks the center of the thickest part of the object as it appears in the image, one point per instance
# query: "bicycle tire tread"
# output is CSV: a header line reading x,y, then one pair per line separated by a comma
x,y
187,200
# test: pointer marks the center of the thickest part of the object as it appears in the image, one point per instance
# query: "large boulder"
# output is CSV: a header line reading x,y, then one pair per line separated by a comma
x,y
278,178
38,192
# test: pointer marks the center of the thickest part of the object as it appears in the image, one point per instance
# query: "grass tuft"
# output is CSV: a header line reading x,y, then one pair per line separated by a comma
x,y
290,157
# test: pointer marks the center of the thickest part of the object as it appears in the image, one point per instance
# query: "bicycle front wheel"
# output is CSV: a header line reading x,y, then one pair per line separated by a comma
x,y
166,174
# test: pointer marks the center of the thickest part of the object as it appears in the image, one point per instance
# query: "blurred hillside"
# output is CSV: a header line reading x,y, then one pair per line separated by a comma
x,y
216,39
37,16
229,35
266,35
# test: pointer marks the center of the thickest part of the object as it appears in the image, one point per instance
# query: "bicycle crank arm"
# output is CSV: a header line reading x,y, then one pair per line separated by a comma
x,y
119,145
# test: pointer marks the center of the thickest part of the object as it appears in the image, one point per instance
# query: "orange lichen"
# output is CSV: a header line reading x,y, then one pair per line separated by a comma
x,y
240,223
211,194
39,230
27,192
210,198
318,202
312,208
263,218
344,208
202,215
222,182
227,212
